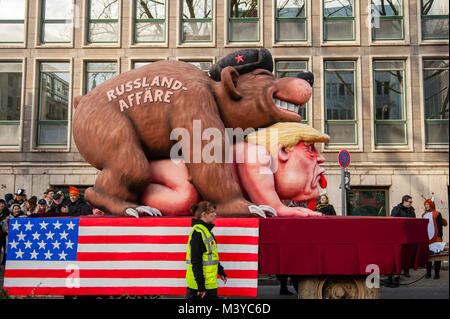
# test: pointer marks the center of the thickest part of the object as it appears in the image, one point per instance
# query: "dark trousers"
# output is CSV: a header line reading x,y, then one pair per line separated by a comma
x,y
437,268
210,294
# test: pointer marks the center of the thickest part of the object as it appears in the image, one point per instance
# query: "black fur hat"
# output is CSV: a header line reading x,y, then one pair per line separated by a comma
x,y
243,61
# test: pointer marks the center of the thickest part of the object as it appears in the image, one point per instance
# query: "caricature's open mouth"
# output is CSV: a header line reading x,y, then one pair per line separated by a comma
x,y
288,106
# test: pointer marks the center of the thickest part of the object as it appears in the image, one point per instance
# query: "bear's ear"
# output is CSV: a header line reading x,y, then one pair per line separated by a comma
x,y
228,77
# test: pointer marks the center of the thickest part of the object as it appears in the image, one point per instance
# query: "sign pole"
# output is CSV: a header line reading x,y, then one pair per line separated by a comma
x,y
343,193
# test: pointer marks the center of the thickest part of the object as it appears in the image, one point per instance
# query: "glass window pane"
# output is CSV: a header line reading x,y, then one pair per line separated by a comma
x,y
244,8
436,132
52,133
291,30
12,9
290,65
58,9
150,9
338,29
435,89
12,32
338,8
197,31
57,32
388,29
434,28
342,133
202,65
99,72
103,32
434,7
291,9
389,95
388,65
10,91
244,31
9,134
387,8
139,64
339,65
390,133
150,31
340,95
104,9
54,96
197,9
366,202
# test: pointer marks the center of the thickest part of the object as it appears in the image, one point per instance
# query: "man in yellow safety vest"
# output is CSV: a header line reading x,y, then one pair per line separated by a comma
x,y
201,257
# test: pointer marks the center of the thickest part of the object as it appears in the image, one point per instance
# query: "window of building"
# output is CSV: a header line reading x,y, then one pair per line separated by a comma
x,y
435,92
54,83
434,15
387,20
243,21
138,64
103,21
196,21
339,20
56,21
12,17
10,102
367,202
340,102
291,69
99,72
150,21
291,21
389,102
203,65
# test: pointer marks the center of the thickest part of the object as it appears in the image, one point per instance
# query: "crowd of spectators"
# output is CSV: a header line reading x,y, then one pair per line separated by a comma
x,y
53,203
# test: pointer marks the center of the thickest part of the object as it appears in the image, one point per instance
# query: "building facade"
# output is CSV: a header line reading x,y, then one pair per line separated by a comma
x,y
380,91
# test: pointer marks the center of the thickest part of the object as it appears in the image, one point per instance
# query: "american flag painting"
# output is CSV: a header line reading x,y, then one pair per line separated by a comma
x,y
115,256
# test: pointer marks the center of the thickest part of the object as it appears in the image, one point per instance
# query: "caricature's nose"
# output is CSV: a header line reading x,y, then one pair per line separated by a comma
x,y
307,76
320,158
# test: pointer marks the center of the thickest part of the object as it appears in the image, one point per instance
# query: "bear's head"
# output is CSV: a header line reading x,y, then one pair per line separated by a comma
x,y
248,94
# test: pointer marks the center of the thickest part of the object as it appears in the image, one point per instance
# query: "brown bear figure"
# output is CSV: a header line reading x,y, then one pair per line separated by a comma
x,y
128,121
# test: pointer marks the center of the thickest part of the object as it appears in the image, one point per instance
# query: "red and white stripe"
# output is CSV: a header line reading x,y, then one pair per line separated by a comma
x,y
140,256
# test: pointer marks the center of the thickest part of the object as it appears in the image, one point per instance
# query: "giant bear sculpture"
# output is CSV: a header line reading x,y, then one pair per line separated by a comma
x,y
125,123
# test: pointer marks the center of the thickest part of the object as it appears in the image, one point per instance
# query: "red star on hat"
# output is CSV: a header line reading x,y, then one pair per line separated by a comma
x,y
239,58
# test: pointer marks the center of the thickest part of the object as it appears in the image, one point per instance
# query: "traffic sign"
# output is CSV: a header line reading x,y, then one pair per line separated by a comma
x,y
344,158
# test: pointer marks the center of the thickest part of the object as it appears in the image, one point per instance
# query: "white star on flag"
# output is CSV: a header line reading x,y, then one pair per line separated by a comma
x,y
69,244
62,255
36,236
14,244
16,225
43,225
28,244
56,245
21,236
57,225
42,244
64,235
49,235
19,254
48,254
28,226
34,254
70,225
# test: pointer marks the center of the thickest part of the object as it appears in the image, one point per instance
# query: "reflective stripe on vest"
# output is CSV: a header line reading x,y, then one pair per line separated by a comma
x,y
210,259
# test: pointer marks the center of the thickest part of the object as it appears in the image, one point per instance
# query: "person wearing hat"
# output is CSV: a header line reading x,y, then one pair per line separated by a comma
x,y
4,213
77,206
16,211
43,207
20,197
9,199
31,206
58,201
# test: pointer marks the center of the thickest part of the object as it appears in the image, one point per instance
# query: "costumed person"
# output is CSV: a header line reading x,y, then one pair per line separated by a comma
x,y
324,206
435,224
77,206
201,257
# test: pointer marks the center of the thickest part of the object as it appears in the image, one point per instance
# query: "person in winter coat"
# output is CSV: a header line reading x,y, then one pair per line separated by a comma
x,y
77,206
324,206
435,225
4,213
201,257
404,209
31,207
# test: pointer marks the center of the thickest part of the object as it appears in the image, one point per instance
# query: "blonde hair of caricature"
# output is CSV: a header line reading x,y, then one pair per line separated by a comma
x,y
286,134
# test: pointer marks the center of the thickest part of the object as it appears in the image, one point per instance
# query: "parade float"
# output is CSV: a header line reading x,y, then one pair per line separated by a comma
x,y
165,136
